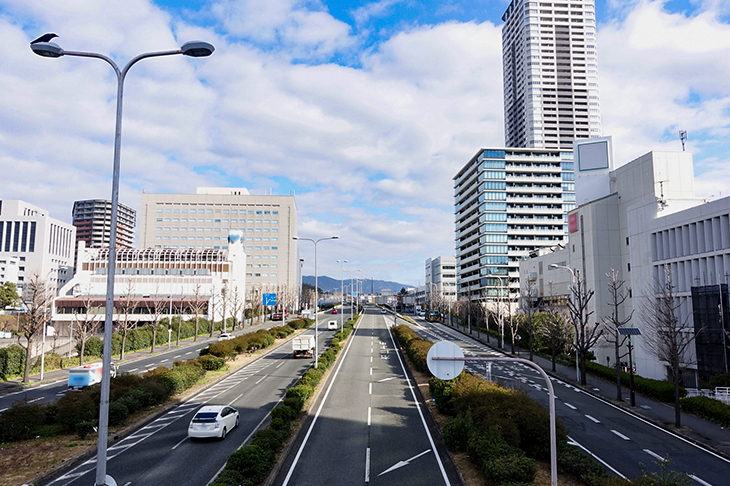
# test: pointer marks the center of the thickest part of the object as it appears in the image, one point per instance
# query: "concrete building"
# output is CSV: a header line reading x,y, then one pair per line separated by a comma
x,y
93,221
550,70
9,269
645,222
508,203
202,221
145,274
441,278
41,244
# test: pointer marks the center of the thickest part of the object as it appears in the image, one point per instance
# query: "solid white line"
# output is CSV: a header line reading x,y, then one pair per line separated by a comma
x,y
420,412
593,419
176,445
620,434
239,396
1,411
262,379
367,465
280,364
572,441
569,405
133,370
654,455
703,483
369,415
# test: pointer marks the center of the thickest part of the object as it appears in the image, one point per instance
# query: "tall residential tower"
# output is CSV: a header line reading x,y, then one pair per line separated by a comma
x,y
550,73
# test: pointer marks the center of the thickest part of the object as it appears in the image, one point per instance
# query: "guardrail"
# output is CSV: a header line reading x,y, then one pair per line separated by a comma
x,y
721,393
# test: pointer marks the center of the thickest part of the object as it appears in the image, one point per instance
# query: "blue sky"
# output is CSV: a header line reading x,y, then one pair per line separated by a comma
x,y
365,109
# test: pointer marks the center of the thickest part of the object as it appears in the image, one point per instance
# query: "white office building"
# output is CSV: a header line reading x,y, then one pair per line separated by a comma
x,y
203,221
508,203
441,278
642,220
42,245
550,69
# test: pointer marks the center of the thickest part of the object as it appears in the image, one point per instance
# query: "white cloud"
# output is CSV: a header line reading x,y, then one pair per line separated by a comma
x,y
373,9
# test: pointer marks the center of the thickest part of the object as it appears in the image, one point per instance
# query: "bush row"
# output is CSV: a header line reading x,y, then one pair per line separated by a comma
x,y
251,464
707,408
660,390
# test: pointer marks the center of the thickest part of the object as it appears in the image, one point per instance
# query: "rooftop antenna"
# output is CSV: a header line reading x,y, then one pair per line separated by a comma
x,y
683,137
662,202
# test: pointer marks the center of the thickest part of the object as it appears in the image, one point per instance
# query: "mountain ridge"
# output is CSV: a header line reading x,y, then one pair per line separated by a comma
x,y
329,284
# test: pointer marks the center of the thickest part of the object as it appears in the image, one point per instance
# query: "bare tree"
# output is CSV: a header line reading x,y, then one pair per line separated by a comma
x,y
528,305
556,329
155,309
86,322
213,303
197,306
127,307
37,299
586,333
613,322
669,336
237,303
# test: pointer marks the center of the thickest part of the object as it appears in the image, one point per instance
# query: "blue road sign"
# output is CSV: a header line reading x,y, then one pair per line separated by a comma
x,y
269,299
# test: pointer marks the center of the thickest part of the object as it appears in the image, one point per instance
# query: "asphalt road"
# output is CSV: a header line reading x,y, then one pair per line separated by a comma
x,y
160,452
367,426
620,440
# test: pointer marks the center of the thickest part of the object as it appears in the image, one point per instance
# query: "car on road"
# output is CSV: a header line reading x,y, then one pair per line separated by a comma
x,y
335,311
225,336
213,421
382,311
332,325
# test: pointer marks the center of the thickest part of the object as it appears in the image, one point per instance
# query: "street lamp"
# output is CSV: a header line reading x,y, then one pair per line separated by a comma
x,y
316,296
51,49
572,272
342,292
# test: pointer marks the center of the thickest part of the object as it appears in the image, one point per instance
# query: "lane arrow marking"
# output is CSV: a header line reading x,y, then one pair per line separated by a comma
x,y
400,464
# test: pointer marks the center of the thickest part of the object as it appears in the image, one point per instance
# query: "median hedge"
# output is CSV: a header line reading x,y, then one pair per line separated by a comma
x,y
251,464
707,408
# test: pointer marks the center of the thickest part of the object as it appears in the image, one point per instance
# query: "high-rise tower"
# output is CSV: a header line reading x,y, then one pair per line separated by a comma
x,y
550,73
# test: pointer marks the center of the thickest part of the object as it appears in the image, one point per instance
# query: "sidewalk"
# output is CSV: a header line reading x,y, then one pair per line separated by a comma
x,y
694,429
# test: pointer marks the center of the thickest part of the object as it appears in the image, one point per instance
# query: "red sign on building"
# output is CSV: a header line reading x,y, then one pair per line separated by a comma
x,y
572,222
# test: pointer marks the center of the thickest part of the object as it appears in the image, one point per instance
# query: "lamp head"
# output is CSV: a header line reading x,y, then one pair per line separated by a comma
x,y
197,49
335,237
47,49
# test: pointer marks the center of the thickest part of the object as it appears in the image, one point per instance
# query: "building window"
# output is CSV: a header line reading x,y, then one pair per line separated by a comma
x,y
629,266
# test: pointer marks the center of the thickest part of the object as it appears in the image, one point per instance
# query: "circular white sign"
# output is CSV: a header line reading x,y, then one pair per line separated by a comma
x,y
445,369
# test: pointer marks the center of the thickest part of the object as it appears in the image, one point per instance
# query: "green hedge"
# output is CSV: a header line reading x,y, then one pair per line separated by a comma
x,y
707,408
251,464
660,390
12,361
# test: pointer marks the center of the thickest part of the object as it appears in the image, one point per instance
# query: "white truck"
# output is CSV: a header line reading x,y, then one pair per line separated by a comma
x,y
303,346
86,375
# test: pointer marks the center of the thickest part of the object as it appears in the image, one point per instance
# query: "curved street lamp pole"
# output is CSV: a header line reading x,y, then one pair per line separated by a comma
x,y
342,292
51,49
316,296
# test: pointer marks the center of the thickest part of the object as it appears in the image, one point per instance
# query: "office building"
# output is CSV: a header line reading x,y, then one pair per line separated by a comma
x,y
93,221
43,245
550,71
508,203
203,221
441,279
643,221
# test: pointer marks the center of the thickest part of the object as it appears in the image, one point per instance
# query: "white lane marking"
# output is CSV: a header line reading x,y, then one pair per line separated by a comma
x,y
369,415
371,350
371,359
654,455
188,353
595,420
387,379
127,483
570,406
280,364
231,402
367,465
150,365
179,443
262,379
403,463
370,390
572,441
176,357
35,399
1,411
164,360
703,483
133,370
620,434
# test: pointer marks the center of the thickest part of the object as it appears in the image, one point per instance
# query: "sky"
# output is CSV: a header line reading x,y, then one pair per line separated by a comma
x,y
365,110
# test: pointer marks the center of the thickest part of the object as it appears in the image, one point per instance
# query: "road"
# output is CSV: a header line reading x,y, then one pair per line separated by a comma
x,y
160,452
620,440
366,426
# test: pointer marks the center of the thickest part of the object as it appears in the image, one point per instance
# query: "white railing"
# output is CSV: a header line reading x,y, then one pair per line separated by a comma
x,y
721,393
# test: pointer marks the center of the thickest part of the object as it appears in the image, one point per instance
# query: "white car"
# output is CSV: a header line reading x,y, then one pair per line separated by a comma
x,y
213,421
382,311
225,336
332,325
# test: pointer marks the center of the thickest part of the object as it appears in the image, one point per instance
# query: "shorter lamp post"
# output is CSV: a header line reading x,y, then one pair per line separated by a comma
x,y
316,296
630,331
342,292
574,277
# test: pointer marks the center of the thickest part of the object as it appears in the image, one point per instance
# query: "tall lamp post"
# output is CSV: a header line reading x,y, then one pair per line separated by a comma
x,y
572,273
51,49
316,292
342,292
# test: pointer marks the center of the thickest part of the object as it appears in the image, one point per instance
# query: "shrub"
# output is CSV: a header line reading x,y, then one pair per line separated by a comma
x,y
458,431
84,428
572,461
283,412
301,392
211,363
660,390
511,468
441,391
93,347
269,439
488,446
21,421
118,412
12,361
157,392
722,379
251,462
74,408
707,408
311,377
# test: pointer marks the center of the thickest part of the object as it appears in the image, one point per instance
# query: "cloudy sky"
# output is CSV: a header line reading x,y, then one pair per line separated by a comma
x,y
365,110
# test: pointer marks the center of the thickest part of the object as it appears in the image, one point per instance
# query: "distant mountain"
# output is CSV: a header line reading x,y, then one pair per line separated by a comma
x,y
328,284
